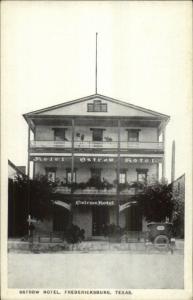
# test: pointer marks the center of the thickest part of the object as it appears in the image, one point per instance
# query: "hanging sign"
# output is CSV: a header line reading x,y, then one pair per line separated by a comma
x,y
95,202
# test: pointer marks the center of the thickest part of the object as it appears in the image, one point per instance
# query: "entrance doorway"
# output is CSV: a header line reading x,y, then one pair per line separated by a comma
x,y
134,219
100,218
60,219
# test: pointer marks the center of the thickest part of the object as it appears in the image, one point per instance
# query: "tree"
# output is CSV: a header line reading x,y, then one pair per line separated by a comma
x,y
40,192
155,202
28,196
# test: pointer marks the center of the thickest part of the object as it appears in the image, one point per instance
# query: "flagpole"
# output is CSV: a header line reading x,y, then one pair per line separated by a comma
x,y
96,65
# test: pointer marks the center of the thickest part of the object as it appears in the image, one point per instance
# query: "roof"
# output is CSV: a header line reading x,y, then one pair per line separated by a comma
x,y
17,169
102,97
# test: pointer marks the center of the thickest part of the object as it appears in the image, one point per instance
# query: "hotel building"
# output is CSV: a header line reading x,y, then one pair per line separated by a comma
x,y
95,149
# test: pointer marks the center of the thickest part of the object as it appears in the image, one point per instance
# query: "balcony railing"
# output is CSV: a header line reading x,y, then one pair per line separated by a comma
x,y
94,191
97,145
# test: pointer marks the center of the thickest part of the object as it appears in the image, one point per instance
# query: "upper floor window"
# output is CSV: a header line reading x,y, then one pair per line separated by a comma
x,y
96,173
97,134
133,135
69,176
51,174
122,176
97,106
142,175
59,134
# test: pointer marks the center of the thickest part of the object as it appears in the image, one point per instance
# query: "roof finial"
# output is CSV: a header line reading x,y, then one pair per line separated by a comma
x,y
96,66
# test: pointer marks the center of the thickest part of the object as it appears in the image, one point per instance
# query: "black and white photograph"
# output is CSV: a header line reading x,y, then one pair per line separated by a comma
x,y
96,149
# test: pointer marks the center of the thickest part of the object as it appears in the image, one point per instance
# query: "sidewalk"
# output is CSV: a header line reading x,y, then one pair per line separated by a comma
x,y
87,246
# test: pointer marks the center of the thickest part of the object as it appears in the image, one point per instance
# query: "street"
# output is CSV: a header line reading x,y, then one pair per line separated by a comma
x,y
120,270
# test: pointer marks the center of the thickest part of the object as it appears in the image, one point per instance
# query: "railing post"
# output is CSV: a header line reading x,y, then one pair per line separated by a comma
x,y
72,173
118,175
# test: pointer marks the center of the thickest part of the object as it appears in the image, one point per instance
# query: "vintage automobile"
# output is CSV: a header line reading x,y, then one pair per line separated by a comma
x,y
160,236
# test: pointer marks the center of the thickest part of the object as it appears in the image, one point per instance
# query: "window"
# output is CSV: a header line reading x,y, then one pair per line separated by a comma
x,y
133,135
96,173
122,176
51,174
97,106
59,134
142,175
69,176
97,134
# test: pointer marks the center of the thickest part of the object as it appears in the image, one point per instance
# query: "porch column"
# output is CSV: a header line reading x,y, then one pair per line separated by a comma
x,y
34,169
163,162
157,171
28,161
118,174
28,181
72,172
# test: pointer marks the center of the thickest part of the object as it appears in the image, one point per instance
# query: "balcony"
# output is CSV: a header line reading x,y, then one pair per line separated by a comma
x,y
131,191
124,145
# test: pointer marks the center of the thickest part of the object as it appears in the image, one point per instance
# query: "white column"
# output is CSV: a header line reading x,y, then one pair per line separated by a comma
x,y
163,162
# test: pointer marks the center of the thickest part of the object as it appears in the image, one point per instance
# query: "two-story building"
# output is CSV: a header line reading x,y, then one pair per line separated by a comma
x,y
95,149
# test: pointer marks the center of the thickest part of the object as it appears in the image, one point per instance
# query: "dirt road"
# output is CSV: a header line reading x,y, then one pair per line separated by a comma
x,y
95,270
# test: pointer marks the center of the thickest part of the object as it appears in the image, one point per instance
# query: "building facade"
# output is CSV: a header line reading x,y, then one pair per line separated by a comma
x,y
178,190
95,149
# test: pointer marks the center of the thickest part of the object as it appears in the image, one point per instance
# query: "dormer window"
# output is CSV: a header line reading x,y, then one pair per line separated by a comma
x,y
97,106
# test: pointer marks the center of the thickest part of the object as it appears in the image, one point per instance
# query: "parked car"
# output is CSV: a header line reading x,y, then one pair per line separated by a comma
x,y
161,236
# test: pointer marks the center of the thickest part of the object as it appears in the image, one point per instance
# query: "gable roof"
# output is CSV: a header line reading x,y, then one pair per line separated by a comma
x,y
18,169
91,97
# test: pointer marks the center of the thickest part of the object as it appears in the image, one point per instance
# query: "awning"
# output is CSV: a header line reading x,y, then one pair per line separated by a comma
x,y
126,205
63,204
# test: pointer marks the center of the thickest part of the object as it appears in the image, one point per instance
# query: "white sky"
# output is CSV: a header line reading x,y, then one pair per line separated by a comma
x,y
144,54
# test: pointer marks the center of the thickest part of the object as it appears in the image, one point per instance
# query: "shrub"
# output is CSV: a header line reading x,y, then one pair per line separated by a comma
x,y
113,230
74,234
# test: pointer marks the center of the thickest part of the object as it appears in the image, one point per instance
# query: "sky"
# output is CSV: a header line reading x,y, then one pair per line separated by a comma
x,y
144,58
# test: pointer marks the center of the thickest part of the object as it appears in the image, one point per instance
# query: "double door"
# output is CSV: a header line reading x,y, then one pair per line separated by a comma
x,y
100,218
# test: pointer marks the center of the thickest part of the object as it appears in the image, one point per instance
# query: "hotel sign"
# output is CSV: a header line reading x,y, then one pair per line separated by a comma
x,y
95,159
48,158
98,159
143,160
95,202
137,160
